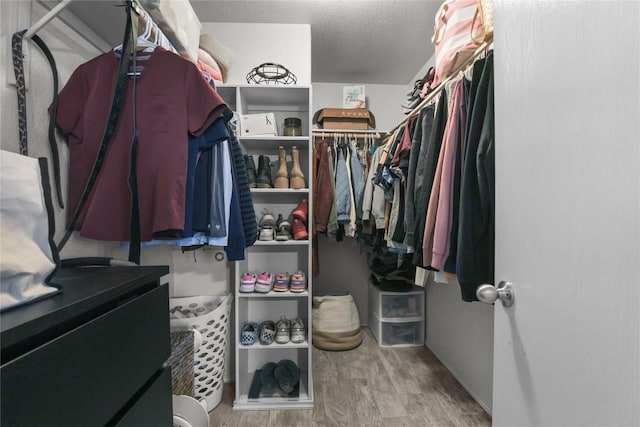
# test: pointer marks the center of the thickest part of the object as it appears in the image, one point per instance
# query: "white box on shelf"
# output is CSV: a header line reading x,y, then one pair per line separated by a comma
x,y
353,97
262,124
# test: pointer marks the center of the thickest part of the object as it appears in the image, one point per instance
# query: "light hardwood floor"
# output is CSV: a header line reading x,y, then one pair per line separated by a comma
x,y
370,386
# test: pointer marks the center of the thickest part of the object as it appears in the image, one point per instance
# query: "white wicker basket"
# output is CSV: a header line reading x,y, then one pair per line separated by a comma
x,y
211,318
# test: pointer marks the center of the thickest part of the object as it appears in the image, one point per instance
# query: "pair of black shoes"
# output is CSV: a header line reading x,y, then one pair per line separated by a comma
x,y
261,178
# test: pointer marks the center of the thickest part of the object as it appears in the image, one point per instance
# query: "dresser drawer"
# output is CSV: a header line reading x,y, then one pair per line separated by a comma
x,y
84,377
154,407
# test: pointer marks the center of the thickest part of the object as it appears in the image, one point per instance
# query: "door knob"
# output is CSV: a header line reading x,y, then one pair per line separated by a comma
x,y
489,294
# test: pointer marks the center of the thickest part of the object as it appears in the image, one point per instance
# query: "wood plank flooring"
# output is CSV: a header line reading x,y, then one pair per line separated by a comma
x,y
370,386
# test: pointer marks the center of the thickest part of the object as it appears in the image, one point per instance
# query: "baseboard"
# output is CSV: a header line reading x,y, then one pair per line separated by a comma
x,y
472,392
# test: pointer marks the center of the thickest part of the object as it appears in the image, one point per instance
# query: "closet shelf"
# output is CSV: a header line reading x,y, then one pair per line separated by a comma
x,y
285,243
273,294
303,401
279,190
302,139
274,346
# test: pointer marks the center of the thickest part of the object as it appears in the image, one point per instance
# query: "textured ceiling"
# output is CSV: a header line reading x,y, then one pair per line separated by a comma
x,y
360,41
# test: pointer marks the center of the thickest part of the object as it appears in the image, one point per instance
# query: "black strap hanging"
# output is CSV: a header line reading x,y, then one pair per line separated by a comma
x,y
18,69
112,123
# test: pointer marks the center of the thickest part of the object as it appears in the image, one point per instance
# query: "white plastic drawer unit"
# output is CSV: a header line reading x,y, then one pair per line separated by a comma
x,y
396,334
396,319
397,305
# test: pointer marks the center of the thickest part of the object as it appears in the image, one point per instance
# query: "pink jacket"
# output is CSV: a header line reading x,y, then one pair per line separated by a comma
x,y
456,124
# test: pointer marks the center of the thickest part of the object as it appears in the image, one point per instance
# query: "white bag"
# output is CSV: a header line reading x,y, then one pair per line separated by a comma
x,y
28,256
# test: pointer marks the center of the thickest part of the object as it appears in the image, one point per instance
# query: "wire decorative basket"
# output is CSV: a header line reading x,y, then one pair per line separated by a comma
x,y
271,74
210,316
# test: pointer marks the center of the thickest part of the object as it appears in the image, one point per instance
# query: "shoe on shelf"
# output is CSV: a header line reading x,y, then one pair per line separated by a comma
x,y
249,333
301,211
282,282
299,230
282,175
283,229
248,282
267,332
283,330
297,177
297,331
264,282
269,383
267,220
266,234
298,282
263,178
267,225
287,374
251,170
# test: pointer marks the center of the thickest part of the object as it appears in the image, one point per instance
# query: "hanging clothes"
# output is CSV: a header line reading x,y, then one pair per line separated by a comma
x,y
476,233
343,198
426,114
450,265
247,211
457,122
350,227
332,223
173,100
357,180
426,170
323,194
373,203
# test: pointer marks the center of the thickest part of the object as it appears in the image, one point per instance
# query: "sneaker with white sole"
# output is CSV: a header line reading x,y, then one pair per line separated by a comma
x,y
297,331
248,282
264,282
282,282
298,282
283,330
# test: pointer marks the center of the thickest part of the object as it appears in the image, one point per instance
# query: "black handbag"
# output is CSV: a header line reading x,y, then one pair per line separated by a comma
x,y
421,88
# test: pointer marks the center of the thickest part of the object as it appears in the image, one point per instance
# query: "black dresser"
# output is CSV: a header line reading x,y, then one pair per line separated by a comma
x,y
92,355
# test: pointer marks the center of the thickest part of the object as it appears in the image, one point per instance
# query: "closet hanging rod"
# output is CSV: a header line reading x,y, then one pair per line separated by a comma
x,y
46,18
442,84
346,131
374,135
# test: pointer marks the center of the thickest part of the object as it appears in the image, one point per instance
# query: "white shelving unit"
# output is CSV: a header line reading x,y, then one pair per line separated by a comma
x,y
273,256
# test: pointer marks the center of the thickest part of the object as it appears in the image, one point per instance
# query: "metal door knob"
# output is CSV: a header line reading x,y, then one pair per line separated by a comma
x,y
489,294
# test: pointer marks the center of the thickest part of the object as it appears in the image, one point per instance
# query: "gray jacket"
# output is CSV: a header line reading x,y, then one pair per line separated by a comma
x,y
357,179
373,201
343,193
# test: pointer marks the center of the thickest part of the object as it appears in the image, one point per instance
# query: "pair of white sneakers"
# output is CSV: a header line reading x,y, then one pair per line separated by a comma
x,y
290,330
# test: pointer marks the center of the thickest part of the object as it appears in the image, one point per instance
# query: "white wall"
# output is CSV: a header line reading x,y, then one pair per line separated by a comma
x,y
383,101
254,44
460,334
